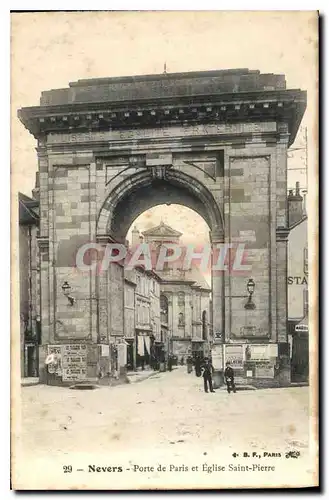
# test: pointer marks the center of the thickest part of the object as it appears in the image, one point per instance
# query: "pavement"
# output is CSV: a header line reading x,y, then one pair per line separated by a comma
x,y
165,419
140,375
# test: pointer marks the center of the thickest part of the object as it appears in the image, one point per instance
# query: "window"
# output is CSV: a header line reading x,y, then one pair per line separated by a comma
x,y
138,282
164,309
204,325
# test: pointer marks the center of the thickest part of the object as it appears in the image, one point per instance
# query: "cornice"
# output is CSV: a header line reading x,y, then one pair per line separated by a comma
x,y
281,105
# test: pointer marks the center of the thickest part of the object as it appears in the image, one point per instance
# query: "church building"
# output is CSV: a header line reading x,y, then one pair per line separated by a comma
x,y
184,300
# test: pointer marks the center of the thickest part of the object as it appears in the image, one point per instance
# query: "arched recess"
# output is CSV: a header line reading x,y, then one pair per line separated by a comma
x,y
141,191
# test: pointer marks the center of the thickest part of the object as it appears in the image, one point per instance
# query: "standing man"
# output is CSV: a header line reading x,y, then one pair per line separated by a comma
x,y
170,362
229,378
189,363
207,375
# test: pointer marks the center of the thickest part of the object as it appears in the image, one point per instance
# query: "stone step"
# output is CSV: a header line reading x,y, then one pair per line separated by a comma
x,y
28,381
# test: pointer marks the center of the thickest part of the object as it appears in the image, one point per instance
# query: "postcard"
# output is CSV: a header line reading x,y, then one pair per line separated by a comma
x,y
164,224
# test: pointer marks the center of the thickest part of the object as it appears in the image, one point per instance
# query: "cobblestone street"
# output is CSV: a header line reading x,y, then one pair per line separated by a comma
x,y
166,419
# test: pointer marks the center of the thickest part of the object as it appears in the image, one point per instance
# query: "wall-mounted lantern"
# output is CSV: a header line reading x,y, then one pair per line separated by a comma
x,y
66,291
250,288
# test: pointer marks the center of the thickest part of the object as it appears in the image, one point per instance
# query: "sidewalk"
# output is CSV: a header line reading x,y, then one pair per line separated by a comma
x,y
139,376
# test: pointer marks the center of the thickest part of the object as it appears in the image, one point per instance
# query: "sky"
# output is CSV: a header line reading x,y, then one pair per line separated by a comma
x,y
49,50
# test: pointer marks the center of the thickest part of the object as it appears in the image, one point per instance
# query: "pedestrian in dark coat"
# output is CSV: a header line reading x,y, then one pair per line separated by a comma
x,y
197,366
229,378
208,370
189,363
170,362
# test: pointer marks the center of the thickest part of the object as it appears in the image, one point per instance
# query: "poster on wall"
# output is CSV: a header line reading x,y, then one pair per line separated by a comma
x,y
234,355
54,359
74,362
264,371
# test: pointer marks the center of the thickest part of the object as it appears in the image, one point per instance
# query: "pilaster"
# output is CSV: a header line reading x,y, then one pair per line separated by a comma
x,y
218,289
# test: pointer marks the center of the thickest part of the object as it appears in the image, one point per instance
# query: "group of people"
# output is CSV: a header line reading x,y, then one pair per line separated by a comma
x,y
204,367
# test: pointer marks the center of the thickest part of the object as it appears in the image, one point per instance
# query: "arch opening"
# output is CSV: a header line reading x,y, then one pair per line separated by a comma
x,y
139,192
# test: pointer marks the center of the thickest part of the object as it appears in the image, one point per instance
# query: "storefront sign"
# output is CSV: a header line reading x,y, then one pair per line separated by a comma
x,y
301,328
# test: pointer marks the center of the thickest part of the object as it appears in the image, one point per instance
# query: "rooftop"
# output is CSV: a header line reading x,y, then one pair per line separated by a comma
x,y
162,230
28,210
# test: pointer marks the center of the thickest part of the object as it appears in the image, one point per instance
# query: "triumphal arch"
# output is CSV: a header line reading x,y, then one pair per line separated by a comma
x,y
110,148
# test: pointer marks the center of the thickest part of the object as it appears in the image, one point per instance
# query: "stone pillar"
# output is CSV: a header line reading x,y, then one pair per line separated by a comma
x,y
281,288
102,297
218,292
188,315
174,308
282,307
170,321
44,305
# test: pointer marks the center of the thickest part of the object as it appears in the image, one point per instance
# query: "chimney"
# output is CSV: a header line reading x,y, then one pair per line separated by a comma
x,y
36,190
295,206
304,203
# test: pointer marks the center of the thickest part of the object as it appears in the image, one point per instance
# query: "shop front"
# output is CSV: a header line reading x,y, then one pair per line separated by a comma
x,y
144,349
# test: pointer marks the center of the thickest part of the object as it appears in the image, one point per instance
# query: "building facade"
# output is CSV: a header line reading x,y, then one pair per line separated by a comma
x,y
109,149
142,317
298,331
30,332
185,297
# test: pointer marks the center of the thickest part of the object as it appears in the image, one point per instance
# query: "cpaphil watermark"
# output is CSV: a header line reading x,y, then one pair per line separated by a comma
x,y
230,257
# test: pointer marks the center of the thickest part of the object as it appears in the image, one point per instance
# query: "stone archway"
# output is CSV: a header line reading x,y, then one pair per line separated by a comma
x,y
217,141
129,195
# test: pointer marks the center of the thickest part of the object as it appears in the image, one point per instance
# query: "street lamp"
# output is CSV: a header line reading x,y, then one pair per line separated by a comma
x,y
66,291
250,288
